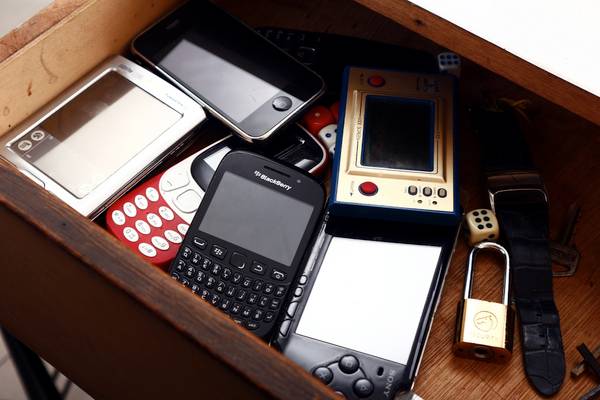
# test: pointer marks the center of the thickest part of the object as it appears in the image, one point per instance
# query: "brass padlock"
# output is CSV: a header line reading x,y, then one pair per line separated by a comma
x,y
484,329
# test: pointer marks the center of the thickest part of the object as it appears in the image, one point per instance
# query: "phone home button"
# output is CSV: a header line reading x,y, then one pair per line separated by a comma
x,y
282,103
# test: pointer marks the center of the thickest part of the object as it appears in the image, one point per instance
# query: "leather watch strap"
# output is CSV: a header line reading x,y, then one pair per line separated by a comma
x,y
520,203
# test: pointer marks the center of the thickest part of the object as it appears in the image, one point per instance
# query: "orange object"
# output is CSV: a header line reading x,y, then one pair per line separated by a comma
x,y
317,118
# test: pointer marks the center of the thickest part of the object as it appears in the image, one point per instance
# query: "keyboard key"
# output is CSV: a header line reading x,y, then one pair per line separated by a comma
x,y
225,304
200,277
142,227
211,282
218,251
152,194
269,288
275,303
129,209
258,268
160,243
226,274
174,276
280,291
147,249
221,287
186,252
236,308
264,301
231,291
195,288
154,220
196,259
204,294
247,312
118,217
269,316
258,315
241,294
247,282
278,275
237,278
214,300
183,228
185,282
252,298
258,285
190,272
180,266
206,263
173,236
199,243
141,202
251,325
130,234
238,260
216,269
166,213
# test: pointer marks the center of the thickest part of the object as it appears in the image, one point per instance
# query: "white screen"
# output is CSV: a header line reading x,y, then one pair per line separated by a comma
x,y
369,296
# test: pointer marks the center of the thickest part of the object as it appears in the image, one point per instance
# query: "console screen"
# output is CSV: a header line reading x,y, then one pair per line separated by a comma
x,y
369,296
398,133
257,218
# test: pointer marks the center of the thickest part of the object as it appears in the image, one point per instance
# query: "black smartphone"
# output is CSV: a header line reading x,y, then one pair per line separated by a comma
x,y
362,308
239,76
249,237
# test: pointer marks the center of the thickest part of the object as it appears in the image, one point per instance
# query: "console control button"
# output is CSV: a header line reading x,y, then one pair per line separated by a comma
x,y
324,374
142,227
412,190
376,80
118,217
174,180
218,251
303,279
152,194
285,327
348,364
282,103
298,292
166,213
427,191
141,202
147,250
291,311
368,188
130,234
442,193
129,209
363,387
237,260
173,236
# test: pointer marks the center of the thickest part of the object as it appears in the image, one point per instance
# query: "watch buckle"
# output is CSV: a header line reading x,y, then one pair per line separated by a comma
x,y
514,183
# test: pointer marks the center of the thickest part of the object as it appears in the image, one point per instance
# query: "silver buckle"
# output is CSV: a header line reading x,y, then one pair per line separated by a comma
x,y
525,182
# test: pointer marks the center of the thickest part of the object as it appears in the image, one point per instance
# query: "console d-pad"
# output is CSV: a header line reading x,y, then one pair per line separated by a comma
x,y
249,291
338,374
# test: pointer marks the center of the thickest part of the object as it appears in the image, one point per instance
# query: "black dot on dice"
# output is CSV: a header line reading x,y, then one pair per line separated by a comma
x,y
491,236
480,226
488,225
486,218
476,213
483,212
477,220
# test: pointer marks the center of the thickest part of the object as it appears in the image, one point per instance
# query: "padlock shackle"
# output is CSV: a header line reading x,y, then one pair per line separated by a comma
x,y
471,262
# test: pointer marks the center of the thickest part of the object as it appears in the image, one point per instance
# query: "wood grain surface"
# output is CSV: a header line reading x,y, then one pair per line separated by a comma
x,y
566,149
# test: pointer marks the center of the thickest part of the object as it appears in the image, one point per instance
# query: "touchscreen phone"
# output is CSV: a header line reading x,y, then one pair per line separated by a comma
x,y
249,237
238,75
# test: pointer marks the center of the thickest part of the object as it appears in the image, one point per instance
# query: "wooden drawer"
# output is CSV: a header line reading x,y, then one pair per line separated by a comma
x,y
122,329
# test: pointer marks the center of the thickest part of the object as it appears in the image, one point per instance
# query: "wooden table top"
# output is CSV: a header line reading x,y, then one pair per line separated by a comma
x,y
565,147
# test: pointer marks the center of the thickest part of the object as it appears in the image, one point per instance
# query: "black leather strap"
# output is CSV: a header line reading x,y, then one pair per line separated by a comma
x,y
520,204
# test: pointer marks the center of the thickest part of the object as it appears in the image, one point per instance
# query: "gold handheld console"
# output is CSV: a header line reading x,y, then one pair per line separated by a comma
x,y
395,150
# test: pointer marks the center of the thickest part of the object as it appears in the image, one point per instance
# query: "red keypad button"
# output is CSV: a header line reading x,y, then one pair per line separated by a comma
x,y
376,81
368,188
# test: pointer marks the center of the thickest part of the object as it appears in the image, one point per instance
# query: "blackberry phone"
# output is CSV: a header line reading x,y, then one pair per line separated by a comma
x,y
362,307
152,218
249,237
239,76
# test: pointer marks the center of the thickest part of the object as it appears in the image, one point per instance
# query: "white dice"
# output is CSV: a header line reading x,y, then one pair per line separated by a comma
x,y
327,136
481,225
449,62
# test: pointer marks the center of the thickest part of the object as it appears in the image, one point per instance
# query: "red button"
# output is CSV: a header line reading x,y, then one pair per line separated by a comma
x,y
368,188
376,81
317,118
